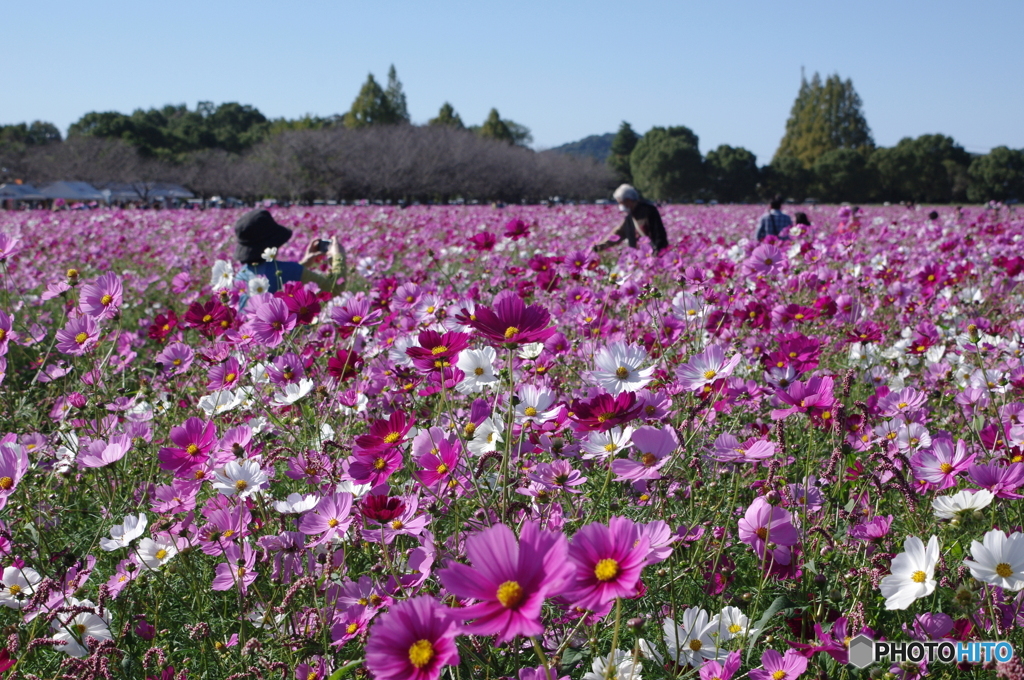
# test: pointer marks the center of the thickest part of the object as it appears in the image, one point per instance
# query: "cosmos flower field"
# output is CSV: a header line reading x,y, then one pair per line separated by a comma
x,y
498,454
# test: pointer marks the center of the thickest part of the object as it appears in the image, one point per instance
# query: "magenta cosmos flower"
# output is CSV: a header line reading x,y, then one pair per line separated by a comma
x,y
604,412
762,524
273,320
6,331
385,434
102,298
415,640
779,667
436,350
193,442
509,580
512,322
78,336
332,516
608,561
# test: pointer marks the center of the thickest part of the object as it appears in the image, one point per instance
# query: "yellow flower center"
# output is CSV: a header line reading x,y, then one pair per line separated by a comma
x,y
762,533
609,447
208,318
779,675
191,449
176,362
510,331
241,572
1004,570
332,522
356,319
919,576
442,468
470,429
160,554
606,569
621,372
440,349
946,468
228,533
530,411
288,374
72,273
379,464
106,300
735,628
230,377
695,645
79,628
510,594
397,524
6,483
648,459
478,371
709,374
81,338
421,653
14,589
392,437
241,485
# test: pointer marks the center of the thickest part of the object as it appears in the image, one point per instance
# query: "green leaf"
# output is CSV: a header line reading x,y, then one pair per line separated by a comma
x,y
780,603
573,656
811,567
346,670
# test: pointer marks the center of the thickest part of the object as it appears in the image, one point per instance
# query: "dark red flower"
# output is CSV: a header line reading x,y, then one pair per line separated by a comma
x,y
210,319
382,508
300,302
604,411
436,351
485,240
345,365
385,434
163,325
512,322
517,229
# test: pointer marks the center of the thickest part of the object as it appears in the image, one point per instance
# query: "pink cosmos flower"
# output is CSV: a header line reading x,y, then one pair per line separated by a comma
x,y
6,332
651,450
331,516
79,336
512,322
485,240
706,368
728,449
374,467
943,463
285,369
408,522
13,464
509,580
273,320
356,313
238,569
100,453
558,474
440,463
813,397
608,561
517,229
779,667
763,524
415,640
175,358
604,412
224,376
436,350
1002,480
714,670
193,442
102,298
385,434
8,246
766,259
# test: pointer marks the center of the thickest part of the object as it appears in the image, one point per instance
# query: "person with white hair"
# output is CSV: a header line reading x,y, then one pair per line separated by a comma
x,y
642,218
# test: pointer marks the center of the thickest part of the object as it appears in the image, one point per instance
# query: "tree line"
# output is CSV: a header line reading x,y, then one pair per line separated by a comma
x,y
827,153
374,151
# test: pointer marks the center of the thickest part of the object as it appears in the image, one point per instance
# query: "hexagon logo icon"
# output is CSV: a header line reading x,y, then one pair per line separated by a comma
x,y
862,651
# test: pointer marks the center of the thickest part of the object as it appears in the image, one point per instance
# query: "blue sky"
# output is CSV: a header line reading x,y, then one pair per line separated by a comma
x,y
729,70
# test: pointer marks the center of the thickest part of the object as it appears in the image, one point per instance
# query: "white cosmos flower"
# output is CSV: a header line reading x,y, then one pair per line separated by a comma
x,y
999,560
485,438
18,586
223,275
478,365
241,479
949,507
687,307
296,503
624,667
913,573
121,535
76,630
269,254
258,285
604,444
357,490
618,369
732,622
533,405
691,642
220,402
530,350
156,553
292,392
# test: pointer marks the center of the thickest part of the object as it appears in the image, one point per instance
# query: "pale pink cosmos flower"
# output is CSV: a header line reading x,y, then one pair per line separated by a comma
x,y
79,336
102,298
706,368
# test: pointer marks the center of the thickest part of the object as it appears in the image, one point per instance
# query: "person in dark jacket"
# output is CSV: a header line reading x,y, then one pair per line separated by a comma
x,y
642,219
257,231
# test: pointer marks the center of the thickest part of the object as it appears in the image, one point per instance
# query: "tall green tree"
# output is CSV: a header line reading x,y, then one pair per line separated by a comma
x,y
396,96
843,175
447,116
997,176
666,164
786,177
371,107
825,116
929,169
731,173
622,146
495,128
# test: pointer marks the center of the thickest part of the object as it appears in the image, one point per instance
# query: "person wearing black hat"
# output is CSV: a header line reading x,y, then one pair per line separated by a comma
x,y
259,236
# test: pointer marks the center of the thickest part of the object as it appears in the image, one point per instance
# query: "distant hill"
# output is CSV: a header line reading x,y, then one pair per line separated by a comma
x,y
594,146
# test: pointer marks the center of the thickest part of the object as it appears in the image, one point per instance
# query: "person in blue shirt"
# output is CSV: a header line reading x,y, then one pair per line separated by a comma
x,y
257,230
774,221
